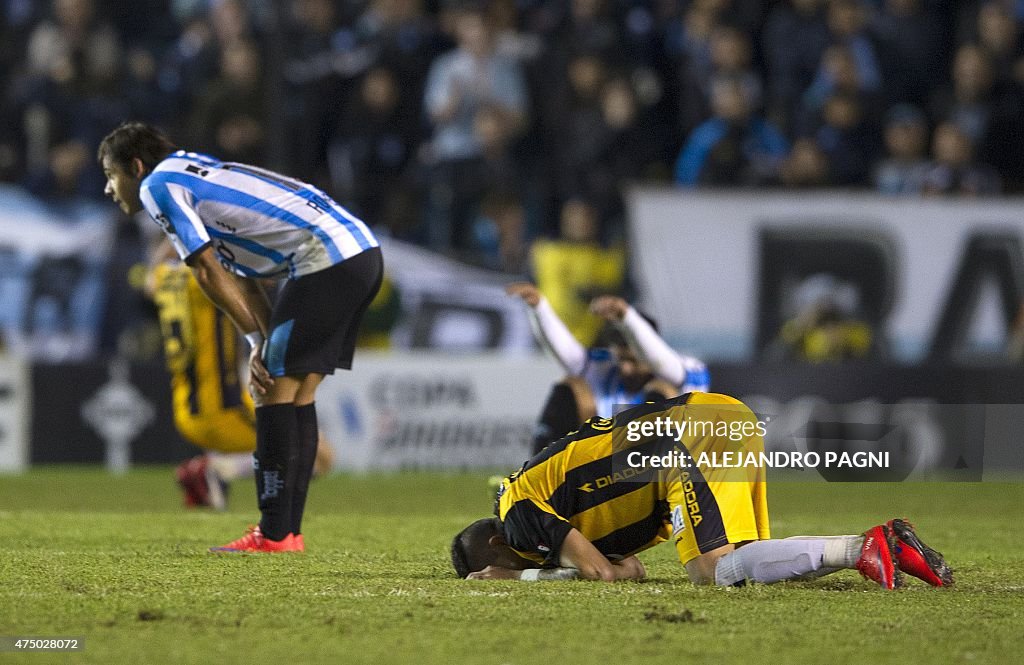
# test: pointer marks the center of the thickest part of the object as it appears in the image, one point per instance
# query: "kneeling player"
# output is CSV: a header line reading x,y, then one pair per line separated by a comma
x,y
212,408
578,509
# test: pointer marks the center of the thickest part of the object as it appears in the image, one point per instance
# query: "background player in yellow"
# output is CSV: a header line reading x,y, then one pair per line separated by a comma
x,y
580,509
212,407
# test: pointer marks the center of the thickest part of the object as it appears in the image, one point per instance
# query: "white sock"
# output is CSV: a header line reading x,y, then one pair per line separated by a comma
x,y
768,561
232,466
840,551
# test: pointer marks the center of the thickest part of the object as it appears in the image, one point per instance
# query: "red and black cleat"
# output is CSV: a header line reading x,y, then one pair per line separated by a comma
x,y
915,558
201,484
877,560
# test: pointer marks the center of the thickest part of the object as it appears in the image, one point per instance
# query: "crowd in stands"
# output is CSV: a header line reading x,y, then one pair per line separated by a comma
x,y
476,127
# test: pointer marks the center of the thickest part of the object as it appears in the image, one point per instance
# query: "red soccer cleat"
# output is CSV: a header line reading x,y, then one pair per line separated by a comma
x,y
299,542
915,558
202,485
255,541
877,558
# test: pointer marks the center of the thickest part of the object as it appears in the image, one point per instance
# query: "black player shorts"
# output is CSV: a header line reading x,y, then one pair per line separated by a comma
x,y
316,317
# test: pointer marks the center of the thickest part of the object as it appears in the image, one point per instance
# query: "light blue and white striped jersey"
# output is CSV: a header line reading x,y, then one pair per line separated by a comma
x,y
260,223
602,375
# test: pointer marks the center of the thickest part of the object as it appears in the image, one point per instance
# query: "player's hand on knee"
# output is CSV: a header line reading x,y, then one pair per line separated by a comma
x,y
525,291
260,380
609,308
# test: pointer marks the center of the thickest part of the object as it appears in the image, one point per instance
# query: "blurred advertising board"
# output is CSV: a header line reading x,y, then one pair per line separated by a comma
x,y
698,259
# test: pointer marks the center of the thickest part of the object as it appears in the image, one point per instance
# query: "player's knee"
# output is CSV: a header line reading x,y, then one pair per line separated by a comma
x,y
701,570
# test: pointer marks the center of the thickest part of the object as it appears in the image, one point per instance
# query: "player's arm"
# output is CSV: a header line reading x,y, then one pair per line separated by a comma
x,y
642,338
550,331
629,568
242,300
579,553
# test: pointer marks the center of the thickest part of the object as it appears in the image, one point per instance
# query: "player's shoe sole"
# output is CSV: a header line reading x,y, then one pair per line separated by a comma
x,y
904,531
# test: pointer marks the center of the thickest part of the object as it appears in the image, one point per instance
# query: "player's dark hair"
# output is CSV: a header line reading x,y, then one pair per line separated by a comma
x,y
135,140
471,546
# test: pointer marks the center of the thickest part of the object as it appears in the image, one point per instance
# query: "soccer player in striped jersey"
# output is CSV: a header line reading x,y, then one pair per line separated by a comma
x,y
212,407
630,365
233,224
579,508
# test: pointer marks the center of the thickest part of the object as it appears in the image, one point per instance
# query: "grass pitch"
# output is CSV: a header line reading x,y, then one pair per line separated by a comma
x,y
118,562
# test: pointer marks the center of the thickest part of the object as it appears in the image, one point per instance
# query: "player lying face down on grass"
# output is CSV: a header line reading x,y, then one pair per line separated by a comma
x,y
234,224
581,509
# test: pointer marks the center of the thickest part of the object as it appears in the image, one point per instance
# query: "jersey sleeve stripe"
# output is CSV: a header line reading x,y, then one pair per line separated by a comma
x,y
221,194
176,207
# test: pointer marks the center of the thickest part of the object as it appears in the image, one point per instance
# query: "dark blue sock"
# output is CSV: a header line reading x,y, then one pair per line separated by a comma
x,y
309,435
277,438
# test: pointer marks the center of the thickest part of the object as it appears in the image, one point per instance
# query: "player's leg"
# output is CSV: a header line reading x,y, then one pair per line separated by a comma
x,y
309,438
314,325
570,404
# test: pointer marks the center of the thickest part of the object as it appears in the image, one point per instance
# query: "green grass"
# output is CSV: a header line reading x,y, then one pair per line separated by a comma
x,y
118,562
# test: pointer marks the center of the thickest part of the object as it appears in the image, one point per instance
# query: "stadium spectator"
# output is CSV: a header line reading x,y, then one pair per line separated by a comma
x,y
909,40
847,26
229,117
954,170
373,144
847,140
460,83
968,99
73,44
795,37
575,267
729,56
840,77
735,147
805,167
906,142
999,35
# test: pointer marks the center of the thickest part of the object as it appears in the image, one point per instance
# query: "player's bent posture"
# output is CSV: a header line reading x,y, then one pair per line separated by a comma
x,y
232,224
580,509
631,365
211,406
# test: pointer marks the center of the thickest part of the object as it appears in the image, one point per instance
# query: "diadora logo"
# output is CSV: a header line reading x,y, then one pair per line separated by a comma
x,y
605,481
690,496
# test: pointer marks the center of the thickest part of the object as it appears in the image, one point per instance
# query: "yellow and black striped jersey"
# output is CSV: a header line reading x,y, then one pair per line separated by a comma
x,y
212,407
583,481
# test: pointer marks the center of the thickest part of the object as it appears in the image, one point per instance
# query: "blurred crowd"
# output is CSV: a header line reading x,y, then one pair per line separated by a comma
x,y
477,127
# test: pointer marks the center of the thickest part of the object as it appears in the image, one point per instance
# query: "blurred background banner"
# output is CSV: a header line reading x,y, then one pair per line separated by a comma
x,y
15,400
448,305
749,253
52,269
430,410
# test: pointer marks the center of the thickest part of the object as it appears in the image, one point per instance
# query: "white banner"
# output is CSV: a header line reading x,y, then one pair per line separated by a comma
x,y
695,256
14,414
448,305
427,410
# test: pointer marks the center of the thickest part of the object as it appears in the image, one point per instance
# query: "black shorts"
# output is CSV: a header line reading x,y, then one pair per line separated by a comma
x,y
316,317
